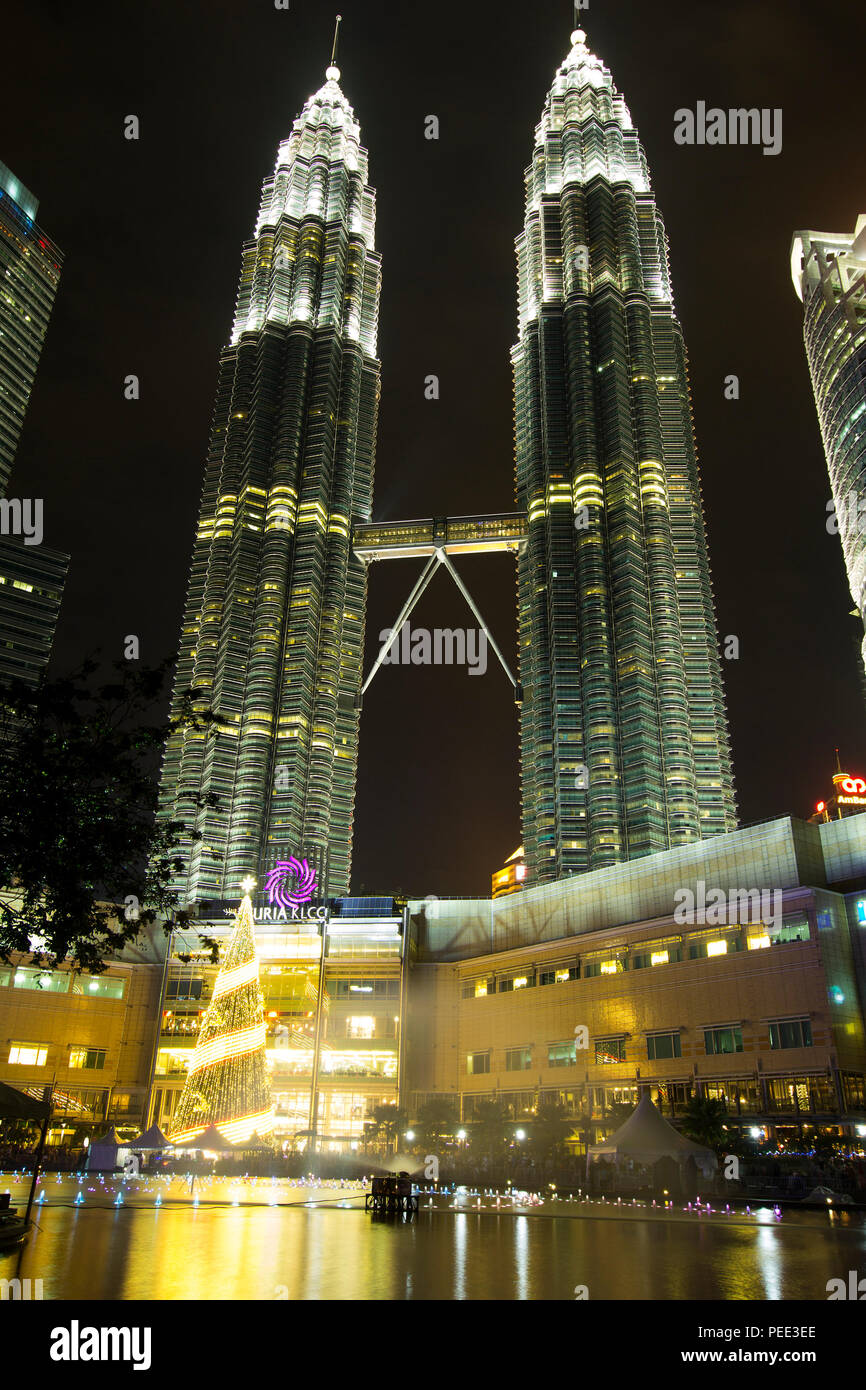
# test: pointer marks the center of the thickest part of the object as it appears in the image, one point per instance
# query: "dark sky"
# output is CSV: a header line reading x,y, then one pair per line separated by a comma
x,y
152,233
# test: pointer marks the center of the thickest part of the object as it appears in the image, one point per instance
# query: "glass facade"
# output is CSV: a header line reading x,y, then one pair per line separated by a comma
x,y
273,631
332,1023
30,267
829,273
624,743
31,576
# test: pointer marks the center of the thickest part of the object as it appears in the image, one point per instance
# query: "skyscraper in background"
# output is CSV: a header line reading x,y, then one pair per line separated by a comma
x,y
31,591
31,576
624,740
829,274
30,267
273,631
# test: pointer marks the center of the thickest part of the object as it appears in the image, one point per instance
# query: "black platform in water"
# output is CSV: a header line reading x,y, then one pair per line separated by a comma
x,y
392,1195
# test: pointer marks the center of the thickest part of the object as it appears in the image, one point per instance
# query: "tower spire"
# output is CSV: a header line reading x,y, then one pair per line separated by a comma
x,y
336,36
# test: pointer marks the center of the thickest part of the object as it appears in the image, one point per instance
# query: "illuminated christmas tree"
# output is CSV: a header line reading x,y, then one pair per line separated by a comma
x,y
227,1085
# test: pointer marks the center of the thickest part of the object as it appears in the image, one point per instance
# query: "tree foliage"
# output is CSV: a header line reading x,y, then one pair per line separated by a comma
x,y
83,861
704,1121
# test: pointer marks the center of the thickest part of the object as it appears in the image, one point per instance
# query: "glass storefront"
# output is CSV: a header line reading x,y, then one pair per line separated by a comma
x,y
332,1026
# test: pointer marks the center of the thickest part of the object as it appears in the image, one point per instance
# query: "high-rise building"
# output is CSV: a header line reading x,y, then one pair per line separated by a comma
x,y
31,576
273,631
829,274
624,741
30,268
31,591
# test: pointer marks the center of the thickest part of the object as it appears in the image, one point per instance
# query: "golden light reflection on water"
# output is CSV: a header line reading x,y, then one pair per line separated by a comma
x,y
333,1252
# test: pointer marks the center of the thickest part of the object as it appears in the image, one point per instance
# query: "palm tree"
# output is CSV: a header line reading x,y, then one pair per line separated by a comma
x,y
489,1128
704,1121
550,1130
436,1119
390,1123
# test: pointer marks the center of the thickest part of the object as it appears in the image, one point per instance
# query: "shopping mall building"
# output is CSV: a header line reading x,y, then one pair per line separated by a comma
x,y
733,968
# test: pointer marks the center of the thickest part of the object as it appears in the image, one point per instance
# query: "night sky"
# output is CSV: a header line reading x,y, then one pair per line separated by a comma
x,y
152,234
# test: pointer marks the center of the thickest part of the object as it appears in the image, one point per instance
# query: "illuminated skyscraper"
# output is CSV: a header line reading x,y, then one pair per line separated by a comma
x,y
624,742
30,272
273,631
31,576
829,274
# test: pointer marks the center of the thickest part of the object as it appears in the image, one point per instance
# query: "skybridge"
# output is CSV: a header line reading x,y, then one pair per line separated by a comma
x,y
436,539
456,535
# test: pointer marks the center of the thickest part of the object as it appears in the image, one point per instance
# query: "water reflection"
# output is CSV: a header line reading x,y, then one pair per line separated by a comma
x,y
334,1252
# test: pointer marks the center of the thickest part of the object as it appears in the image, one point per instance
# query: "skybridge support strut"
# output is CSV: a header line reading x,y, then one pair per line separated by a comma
x,y
439,557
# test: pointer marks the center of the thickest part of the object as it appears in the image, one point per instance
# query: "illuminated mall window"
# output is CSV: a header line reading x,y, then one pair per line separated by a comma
x,y
561,975
661,1046
790,1032
609,1050
518,1058
184,989
613,966
26,978
360,1026
477,1063
720,1042
28,1054
90,1058
525,980
711,946
477,989
657,955
562,1055
98,986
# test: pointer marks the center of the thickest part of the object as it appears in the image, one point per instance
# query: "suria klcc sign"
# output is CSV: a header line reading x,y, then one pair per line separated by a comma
x,y
289,886
290,883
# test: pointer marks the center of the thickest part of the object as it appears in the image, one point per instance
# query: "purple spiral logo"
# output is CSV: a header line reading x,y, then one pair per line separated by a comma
x,y
290,883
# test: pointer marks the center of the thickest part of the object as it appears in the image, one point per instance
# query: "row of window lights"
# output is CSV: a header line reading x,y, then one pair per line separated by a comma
x,y
718,1042
36,1054
479,988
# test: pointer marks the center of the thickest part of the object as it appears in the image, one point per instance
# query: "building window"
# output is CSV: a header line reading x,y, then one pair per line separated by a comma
x,y
560,976
477,989
525,981
603,967
28,1054
99,986
609,1050
360,1026
720,1042
518,1058
700,949
660,955
562,1055
89,1058
184,989
661,1046
478,1063
53,983
790,1032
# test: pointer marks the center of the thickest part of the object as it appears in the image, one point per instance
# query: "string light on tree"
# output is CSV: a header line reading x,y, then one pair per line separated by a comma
x,y
227,1084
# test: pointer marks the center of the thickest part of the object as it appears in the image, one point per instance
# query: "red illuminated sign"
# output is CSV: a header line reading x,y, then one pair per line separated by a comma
x,y
853,786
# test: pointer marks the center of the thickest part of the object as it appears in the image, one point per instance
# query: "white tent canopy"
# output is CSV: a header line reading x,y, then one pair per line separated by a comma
x,y
646,1137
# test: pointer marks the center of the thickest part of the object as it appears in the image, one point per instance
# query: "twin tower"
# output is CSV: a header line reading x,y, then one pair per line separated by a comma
x,y
623,736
